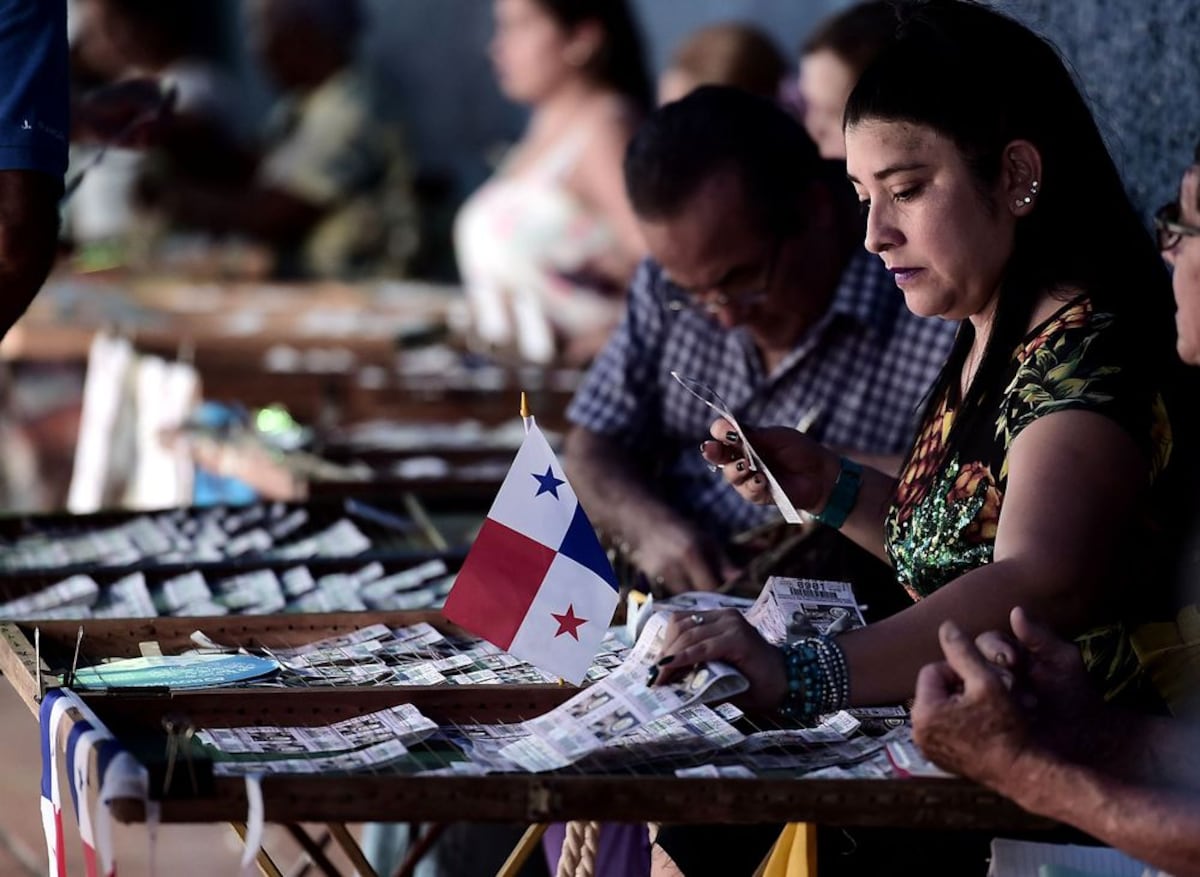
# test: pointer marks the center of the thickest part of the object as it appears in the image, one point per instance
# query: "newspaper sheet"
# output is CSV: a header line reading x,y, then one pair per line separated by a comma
x,y
404,723
618,705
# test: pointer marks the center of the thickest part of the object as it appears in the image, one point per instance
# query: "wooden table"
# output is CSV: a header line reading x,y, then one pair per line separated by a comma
x,y
633,795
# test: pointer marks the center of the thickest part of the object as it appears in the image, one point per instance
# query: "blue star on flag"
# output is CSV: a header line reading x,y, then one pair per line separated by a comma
x,y
548,483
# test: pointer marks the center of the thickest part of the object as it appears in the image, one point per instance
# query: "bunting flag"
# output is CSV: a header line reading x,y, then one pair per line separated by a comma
x,y
537,582
80,741
54,707
121,776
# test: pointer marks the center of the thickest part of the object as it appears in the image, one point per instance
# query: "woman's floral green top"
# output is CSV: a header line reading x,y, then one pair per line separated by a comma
x,y
943,519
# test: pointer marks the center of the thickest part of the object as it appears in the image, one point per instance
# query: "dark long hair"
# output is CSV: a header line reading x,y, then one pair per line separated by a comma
x,y
856,34
983,80
620,64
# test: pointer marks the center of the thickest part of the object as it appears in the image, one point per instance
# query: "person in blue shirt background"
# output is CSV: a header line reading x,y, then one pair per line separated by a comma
x,y
34,121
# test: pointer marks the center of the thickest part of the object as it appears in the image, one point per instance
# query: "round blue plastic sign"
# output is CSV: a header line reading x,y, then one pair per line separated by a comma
x,y
176,672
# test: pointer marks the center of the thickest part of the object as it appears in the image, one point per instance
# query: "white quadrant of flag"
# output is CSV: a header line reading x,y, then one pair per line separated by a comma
x,y
566,621
535,499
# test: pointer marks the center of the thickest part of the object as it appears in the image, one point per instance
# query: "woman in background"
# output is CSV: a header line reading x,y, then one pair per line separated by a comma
x,y
547,245
831,60
730,53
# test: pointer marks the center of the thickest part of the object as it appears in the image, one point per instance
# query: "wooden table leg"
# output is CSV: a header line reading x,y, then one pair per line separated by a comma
x,y
419,846
265,864
525,846
313,850
350,847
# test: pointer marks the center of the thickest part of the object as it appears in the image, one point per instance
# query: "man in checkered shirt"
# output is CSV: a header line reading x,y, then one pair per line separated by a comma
x,y
758,286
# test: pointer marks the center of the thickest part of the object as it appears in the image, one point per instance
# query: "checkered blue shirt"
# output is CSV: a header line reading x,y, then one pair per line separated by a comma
x,y
857,377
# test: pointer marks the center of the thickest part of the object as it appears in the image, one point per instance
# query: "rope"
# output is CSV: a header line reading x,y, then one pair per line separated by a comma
x,y
572,848
591,848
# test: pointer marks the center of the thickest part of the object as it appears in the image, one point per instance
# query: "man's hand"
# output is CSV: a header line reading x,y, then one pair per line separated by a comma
x,y
677,558
1064,709
998,707
966,717
129,113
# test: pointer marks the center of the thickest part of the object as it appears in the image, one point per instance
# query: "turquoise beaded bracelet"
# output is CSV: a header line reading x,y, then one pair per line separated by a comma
x,y
818,680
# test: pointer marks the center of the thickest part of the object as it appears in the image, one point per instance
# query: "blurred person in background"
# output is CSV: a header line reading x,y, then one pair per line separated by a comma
x,y
175,44
730,53
329,191
33,147
547,246
831,60
150,97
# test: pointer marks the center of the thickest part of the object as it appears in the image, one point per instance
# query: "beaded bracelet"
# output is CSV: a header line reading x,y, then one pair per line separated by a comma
x,y
818,680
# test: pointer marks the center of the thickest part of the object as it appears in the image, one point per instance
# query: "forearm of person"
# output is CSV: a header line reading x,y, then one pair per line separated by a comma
x,y
1152,749
864,526
885,658
28,239
615,495
888,464
1158,826
267,214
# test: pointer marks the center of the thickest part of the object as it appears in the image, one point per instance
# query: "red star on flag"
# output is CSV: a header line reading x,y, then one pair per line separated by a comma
x,y
568,622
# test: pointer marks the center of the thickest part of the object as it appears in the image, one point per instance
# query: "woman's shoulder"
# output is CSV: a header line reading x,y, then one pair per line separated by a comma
x,y
1067,322
612,112
1083,357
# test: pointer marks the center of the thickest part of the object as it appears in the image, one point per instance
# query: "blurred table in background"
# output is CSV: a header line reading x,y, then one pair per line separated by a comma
x,y
334,355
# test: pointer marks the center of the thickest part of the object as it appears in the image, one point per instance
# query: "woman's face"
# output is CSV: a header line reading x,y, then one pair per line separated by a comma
x,y
825,83
944,241
530,51
1184,257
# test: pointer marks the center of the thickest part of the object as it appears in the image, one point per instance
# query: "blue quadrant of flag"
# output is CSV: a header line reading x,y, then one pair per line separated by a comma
x,y
581,545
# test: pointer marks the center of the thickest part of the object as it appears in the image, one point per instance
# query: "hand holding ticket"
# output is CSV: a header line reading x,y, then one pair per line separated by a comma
x,y
753,461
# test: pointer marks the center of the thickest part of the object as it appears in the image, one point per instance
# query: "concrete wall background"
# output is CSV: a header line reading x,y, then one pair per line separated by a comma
x,y
1139,61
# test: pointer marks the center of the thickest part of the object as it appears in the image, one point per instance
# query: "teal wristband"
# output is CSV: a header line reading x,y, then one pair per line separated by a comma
x,y
845,494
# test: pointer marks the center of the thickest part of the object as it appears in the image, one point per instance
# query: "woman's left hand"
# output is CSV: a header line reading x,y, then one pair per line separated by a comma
x,y
698,637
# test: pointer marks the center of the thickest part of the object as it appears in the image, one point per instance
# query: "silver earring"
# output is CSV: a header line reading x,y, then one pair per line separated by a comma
x,y
1028,199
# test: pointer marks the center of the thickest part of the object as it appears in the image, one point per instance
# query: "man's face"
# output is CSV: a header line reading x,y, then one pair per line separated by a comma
x,y
1184,257
730,270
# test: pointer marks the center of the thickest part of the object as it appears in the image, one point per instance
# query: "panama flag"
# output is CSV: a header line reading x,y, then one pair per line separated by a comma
x,y
536,582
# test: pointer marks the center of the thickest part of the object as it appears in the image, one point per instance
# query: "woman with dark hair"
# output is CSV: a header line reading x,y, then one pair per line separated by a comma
x,y
547,246
831,59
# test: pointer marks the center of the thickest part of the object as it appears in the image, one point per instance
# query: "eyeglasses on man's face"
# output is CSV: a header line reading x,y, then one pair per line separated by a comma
x,y
717,299
1171,230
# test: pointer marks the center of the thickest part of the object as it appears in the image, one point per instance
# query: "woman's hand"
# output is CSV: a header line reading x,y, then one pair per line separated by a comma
x,y
805,469
724,635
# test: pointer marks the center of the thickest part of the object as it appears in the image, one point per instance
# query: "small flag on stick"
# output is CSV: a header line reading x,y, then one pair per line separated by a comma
x,y
537,582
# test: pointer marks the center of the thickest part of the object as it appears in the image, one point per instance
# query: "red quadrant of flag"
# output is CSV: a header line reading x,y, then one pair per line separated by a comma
x,y
497,583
